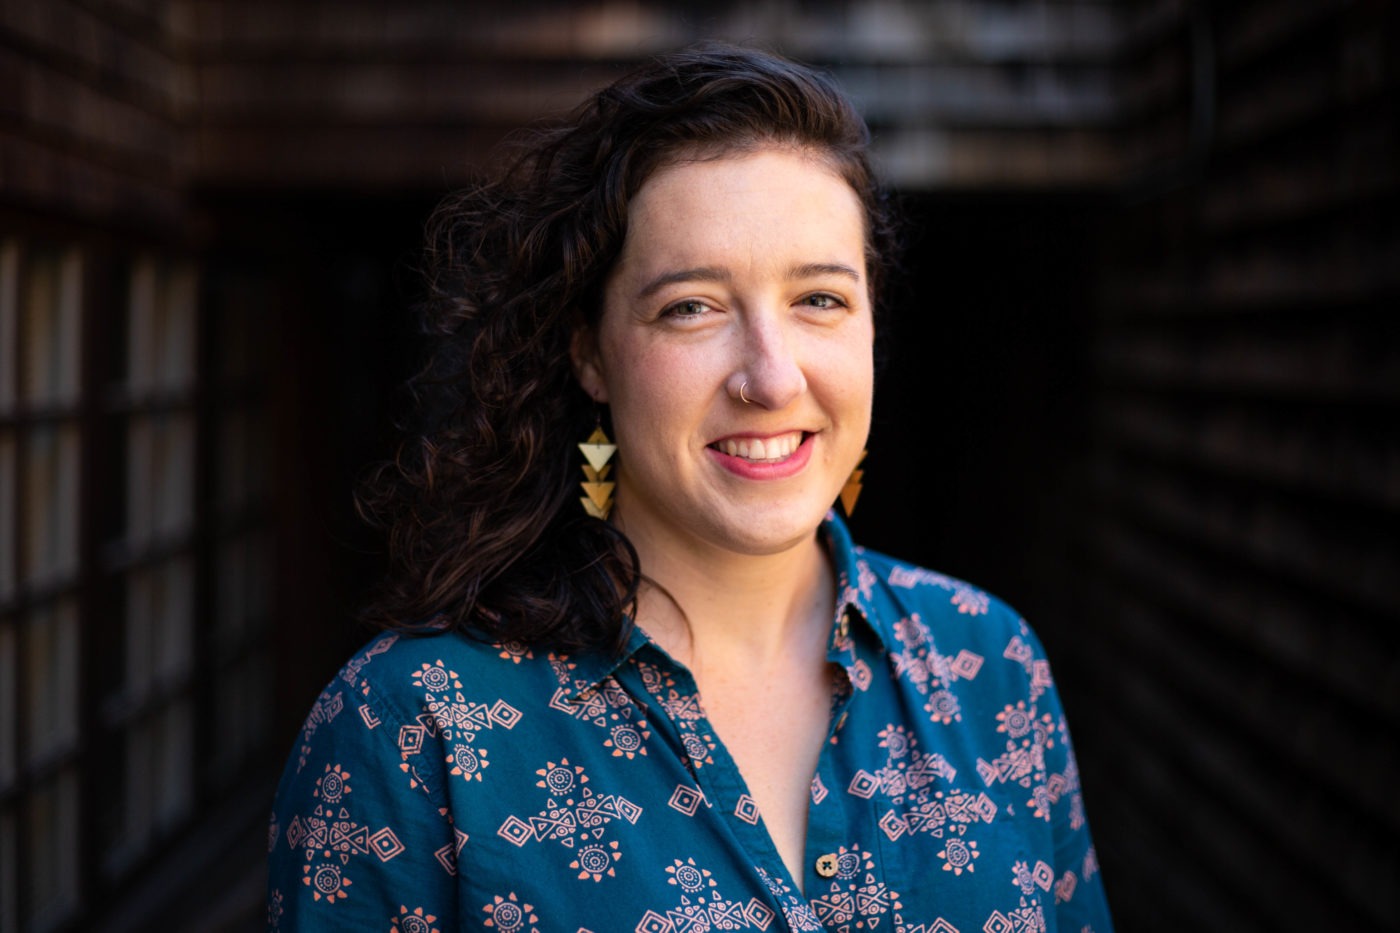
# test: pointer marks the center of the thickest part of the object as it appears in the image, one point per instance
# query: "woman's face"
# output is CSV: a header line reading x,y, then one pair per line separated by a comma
x,y
740,278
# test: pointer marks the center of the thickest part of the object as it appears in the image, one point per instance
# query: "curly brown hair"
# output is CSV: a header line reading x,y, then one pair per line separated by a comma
x,y
485,531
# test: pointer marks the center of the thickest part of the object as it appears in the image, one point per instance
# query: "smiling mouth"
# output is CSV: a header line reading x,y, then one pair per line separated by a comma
x,y
762,450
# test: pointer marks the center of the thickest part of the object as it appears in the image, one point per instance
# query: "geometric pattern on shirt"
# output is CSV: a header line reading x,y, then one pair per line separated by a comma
x,y
1034,883
447,856
508,915
702,907
413,921
1018,650
274,910
327,706
351,672
1028,918
856,898
449,714
915,803
563,670
938,926
954,817
576,818
932,674
968,600
1029,735
610,708
514,651
330,838
796,911
684,711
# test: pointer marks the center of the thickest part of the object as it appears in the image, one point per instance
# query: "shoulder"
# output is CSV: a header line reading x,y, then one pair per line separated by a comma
x,y
405,697
409,678
896,592
400,670
897,596
911,588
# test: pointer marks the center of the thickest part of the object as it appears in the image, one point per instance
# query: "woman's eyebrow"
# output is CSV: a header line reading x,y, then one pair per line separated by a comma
x,y
804,270
698,274
808,270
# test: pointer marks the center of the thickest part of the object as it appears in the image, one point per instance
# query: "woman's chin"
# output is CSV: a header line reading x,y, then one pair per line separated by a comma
x,y
768,530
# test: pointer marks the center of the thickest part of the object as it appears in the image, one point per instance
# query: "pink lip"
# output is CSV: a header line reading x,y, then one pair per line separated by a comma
x,y
765,471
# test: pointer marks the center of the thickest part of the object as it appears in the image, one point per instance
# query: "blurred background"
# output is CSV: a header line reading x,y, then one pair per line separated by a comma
x,y
1143,380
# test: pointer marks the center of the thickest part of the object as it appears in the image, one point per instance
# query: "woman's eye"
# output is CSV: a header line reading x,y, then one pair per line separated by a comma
x,y
686,309
824,301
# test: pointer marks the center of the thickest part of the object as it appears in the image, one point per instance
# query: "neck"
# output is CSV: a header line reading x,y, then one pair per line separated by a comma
x,y
716,609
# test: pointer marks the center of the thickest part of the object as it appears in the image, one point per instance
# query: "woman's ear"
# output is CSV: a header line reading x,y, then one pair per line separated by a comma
x,y
588,369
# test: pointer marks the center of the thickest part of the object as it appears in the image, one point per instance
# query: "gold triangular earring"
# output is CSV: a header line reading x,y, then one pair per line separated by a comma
x,y
597,450
851,491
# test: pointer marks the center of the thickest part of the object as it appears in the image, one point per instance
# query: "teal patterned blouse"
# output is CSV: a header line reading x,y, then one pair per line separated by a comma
x,y
445,784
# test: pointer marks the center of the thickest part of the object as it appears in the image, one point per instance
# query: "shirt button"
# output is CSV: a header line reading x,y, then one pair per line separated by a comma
x,y
826,865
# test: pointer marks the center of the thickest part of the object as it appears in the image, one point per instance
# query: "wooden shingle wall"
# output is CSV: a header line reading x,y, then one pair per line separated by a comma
x,y
369,94
1244,584
91,95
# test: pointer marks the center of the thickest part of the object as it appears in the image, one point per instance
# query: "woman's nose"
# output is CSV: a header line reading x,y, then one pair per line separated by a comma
x,y
772,374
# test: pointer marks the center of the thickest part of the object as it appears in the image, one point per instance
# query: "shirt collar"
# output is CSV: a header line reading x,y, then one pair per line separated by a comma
x,y
855,588
855,606
591,668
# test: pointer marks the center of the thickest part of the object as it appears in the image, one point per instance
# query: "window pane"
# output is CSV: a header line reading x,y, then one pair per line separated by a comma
x,y
53,850
139,468
177,330
174,766
140,331
141,608
159,478
175,620
9,314
8,462
161,326
172,476
9,714
159,642
49,326
9,860
51,697
51,503
134,820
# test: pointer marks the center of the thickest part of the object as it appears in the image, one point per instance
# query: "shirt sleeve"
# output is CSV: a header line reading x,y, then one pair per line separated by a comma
x,y
1080,904
360,836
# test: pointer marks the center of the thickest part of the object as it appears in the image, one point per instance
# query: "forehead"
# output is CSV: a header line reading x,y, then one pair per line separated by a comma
x,y
774,203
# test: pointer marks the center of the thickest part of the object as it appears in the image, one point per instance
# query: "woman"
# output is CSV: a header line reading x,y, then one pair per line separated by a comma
x,y
683,700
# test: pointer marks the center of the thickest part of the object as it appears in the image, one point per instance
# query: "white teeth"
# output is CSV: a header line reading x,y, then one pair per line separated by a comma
x,y
761,451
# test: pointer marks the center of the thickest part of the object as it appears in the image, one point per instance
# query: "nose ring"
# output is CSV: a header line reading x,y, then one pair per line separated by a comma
x,y
742,397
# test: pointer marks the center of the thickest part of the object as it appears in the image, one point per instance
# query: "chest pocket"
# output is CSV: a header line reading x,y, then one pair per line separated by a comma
x,y
954,855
